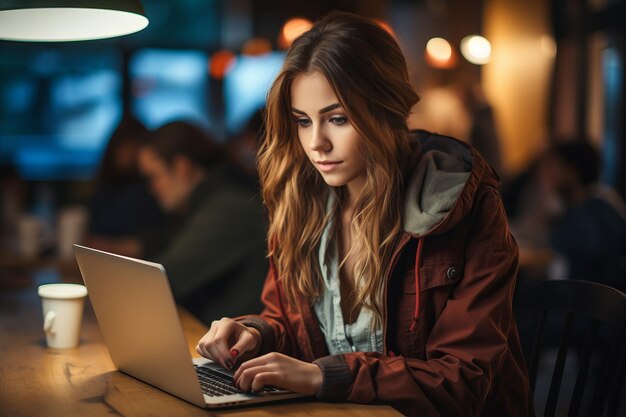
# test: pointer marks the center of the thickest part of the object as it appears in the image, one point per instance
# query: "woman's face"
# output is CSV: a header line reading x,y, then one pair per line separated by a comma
x,y
325,132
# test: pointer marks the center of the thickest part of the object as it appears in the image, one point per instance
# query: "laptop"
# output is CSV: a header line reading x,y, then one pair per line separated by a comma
x,y
137,315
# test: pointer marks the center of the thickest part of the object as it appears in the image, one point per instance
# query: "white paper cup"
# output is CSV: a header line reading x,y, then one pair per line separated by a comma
x,y
63,312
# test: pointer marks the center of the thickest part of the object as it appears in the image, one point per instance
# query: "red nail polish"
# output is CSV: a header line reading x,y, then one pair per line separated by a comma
x,y
234,352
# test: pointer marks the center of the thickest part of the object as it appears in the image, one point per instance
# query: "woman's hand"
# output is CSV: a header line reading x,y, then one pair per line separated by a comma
x,y
281,371
228,342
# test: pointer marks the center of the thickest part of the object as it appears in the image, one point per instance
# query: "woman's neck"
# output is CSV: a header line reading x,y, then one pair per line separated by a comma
x,y
353,189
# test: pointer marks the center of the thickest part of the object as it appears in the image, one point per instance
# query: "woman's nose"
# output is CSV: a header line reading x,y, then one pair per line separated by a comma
x,y
319,140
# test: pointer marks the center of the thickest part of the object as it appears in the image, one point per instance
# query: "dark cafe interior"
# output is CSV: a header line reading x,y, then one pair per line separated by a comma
x,y
133,127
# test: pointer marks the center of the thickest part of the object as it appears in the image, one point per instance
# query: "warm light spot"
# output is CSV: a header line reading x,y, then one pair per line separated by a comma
x,y
548,46
476,49
292,29
439,53
221,62
256,46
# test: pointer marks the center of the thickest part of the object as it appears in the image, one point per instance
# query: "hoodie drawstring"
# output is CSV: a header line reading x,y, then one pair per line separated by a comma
x,y
418,258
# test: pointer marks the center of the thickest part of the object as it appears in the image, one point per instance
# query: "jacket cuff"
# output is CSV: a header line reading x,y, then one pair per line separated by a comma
x,y
336,378
267,333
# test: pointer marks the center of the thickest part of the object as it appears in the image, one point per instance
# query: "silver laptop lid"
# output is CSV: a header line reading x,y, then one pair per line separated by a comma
x,y
139,322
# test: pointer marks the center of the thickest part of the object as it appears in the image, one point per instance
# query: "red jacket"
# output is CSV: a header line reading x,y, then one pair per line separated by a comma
x,y
451,346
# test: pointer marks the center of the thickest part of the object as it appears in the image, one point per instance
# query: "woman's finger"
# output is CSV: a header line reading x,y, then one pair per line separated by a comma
x,y
246,342
244,382
219,346
266,378
204,353
202,347
255,362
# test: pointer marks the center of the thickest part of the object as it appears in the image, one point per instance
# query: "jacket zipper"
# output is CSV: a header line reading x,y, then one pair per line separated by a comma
x,y
405,239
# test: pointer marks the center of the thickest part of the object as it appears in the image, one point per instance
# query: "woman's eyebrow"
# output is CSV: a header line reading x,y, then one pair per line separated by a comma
x,y
322,111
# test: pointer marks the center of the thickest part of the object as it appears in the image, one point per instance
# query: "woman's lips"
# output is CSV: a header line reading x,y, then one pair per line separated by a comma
x,y
327,166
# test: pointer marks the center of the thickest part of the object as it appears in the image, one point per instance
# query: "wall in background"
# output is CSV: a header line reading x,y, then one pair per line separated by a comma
x,y
517,80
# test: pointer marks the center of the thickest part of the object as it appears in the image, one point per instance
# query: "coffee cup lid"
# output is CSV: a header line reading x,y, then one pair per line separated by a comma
x,y
62,291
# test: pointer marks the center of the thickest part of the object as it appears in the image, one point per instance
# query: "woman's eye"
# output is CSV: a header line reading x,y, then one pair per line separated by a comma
x,y
339,120
303,122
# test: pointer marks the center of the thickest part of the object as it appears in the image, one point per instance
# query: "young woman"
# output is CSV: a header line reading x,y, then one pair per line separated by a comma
x,y
392,266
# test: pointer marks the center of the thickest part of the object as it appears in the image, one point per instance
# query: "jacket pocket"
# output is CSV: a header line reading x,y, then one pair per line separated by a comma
x,y
435,275
437,281
436,284
438,275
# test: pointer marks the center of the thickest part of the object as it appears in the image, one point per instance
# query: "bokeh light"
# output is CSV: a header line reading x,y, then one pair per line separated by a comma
x,y
292,29
439,53
221,62
476,49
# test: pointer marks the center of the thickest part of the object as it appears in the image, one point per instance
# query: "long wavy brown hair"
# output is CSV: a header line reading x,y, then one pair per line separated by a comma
x,y
367,71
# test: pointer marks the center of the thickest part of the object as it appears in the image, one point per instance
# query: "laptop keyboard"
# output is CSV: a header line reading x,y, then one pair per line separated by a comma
x,y
216,384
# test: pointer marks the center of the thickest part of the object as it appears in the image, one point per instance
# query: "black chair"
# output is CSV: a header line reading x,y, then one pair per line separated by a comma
x,y
603,337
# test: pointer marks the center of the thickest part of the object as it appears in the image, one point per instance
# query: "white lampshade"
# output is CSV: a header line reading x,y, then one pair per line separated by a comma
x,y
69,20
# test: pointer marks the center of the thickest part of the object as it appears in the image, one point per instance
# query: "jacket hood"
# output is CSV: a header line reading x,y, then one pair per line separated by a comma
x,y
441,184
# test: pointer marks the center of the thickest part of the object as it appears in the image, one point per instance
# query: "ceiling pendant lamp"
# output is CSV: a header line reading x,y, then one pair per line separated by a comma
x,y
69,20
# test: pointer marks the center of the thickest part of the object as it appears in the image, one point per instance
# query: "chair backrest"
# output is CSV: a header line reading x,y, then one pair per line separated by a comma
x,y
605,311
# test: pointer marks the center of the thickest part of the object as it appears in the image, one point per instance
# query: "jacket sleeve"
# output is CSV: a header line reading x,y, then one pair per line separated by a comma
x,y
465,346
273,323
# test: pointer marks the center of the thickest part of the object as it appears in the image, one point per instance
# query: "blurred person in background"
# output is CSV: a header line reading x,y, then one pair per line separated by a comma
x,y
122,208
531,206
590,233
214,251
532,203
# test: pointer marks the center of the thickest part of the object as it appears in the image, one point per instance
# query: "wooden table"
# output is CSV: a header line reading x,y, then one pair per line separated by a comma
x,y
37,381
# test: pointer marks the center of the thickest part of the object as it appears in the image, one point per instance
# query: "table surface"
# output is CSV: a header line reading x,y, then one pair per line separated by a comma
x,y
37,381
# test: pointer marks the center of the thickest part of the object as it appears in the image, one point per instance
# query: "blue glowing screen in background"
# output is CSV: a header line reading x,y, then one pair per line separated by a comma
x,y
57,110
246,85
170,84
